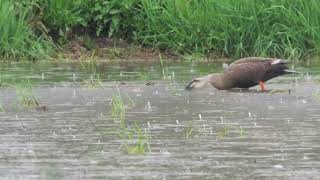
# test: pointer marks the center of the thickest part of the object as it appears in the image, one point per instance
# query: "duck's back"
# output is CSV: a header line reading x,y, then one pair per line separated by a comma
x,y
247,72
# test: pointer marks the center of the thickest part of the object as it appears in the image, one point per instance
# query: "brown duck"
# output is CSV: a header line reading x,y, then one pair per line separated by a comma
x,y
244,73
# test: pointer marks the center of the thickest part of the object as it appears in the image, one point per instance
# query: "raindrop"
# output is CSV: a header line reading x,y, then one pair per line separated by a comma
x,y
42,76
173,76
74,77
74,93
278,166
149,106
211,133
149,126
177,121
308,78
200,117
255,124
249,114
221,118
271,107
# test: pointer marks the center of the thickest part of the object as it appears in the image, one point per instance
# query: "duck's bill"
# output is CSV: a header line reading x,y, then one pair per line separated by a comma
x,y
292,71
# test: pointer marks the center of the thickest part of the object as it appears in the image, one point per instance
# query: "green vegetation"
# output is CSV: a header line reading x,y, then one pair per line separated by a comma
x,y
2,109
282,28
191,132
26,97
90,68
223,132
118,111
17,40
136,140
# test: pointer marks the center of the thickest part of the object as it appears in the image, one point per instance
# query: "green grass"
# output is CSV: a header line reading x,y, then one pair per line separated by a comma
x,y
136,140
17,41
25,95
285,28
222,133
2,109
232,28
93,82
118,110
191,132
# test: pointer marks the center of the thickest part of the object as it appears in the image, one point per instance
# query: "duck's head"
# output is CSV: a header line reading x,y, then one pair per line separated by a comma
x,y
214,79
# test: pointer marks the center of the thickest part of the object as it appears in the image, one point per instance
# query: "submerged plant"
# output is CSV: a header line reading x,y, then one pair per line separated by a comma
x,y
26,96
90,66
93,82
316,96
136,140
90,69
2,108
223,132
241,131
191,131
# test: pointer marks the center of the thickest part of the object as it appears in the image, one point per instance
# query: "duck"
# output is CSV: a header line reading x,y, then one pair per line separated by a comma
x,y
244,73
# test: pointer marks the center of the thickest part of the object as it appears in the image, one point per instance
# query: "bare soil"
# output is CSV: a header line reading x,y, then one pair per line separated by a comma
x,y
112,50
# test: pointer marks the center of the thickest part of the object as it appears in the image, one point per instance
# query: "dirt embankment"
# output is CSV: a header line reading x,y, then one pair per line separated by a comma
x,y
104,49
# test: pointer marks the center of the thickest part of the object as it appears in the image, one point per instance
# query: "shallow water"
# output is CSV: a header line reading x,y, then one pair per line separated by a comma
x,y
236,134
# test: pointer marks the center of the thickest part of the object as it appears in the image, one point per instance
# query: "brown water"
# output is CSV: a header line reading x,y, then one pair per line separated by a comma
x,y
236,134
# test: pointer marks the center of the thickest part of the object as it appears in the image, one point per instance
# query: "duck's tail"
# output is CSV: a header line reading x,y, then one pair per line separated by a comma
x,y
198,82
283,63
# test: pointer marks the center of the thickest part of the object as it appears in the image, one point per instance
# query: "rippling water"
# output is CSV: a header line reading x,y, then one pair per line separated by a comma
x,y
233,134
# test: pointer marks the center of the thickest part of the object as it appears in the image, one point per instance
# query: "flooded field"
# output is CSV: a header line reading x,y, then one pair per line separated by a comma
x,y
137,122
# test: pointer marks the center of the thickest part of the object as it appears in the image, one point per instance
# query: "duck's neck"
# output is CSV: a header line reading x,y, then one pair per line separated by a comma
x,y
219,81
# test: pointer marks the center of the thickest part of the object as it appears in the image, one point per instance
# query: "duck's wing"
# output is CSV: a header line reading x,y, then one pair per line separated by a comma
x,y
248,72
258,60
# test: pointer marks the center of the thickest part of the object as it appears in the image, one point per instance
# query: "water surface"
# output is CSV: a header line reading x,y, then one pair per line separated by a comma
x,y
236,134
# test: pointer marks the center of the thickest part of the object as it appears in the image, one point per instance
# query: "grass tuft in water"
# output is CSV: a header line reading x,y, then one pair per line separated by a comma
x,y
93,82
90,69
223,132
25,95
137,141
241,131
2,109
118,110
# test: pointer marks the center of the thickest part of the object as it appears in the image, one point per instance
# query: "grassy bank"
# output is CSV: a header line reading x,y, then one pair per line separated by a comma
x,y
229,28
17,40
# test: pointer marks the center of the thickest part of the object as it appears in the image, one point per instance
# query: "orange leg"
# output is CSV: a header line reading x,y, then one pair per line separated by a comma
x,y
261,84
